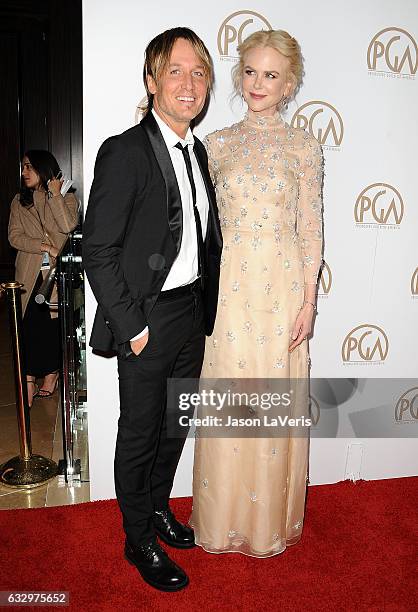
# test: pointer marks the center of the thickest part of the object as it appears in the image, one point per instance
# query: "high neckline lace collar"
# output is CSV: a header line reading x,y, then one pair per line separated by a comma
x,y
270,121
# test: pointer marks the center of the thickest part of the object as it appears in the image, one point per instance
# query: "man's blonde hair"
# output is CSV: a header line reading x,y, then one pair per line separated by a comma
x,y
158,53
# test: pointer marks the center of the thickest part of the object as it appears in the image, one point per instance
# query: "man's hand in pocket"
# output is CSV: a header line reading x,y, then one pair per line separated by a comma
x,y
138,345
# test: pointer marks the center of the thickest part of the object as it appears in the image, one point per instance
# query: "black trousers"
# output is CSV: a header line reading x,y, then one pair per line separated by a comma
x,y
41,341
146,457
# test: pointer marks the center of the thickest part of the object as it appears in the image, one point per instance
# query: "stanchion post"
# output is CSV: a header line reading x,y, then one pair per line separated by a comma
x,y
27,470
14,304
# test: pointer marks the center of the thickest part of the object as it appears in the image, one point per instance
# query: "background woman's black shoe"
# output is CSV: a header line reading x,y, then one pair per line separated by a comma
x,y
171,531
42,393
156,567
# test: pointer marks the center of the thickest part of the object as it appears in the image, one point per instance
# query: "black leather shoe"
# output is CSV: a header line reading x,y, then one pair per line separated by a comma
x,y
156,567
171,531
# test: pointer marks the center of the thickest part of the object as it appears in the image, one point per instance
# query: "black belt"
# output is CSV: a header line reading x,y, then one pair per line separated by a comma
x,y
177,292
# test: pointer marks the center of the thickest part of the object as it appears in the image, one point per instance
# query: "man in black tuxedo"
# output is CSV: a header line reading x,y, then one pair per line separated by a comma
x,y
151,248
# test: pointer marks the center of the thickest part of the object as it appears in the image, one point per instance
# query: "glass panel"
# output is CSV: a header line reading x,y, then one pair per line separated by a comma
x,y
70,277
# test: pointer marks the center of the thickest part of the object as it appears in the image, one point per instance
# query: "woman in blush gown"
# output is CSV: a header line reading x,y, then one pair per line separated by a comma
x,y
249,493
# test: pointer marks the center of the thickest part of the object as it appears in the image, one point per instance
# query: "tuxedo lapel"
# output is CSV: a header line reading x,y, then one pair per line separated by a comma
x,y
205,174
174,208
213,224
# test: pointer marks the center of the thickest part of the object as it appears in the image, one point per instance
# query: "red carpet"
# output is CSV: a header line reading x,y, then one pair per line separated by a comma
x,y
358,552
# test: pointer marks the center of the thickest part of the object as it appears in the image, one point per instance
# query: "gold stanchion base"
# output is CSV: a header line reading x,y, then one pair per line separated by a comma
x,y
27,473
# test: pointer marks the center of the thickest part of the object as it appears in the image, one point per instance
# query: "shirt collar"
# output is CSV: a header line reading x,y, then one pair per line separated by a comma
x,y
170,137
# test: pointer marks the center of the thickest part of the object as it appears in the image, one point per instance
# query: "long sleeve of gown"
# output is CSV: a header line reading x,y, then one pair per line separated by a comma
x,y
210,145
309,218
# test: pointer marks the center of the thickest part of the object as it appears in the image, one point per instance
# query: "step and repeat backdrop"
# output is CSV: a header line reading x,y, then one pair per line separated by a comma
x,y
359,99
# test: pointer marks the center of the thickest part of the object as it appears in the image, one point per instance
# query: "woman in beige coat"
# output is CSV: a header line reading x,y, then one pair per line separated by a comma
x,y
40,220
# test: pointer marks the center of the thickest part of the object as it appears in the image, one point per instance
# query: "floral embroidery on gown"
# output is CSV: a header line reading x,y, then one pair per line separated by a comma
x,y
249,494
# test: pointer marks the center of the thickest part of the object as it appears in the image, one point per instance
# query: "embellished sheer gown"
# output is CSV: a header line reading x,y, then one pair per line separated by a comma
x,y
249,493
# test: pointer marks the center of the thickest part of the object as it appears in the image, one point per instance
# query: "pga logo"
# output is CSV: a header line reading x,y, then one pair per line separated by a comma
x,y
406,409
322,121
393,50
236,28
365,343
380,204
325,280
414,283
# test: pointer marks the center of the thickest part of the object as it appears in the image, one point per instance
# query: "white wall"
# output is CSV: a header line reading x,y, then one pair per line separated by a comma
x,y
371,264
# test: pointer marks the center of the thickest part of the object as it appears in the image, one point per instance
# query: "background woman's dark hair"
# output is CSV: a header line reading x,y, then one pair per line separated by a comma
x,y
44,164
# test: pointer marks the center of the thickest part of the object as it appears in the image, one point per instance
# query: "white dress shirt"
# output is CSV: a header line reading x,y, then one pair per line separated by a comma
x,y
185,267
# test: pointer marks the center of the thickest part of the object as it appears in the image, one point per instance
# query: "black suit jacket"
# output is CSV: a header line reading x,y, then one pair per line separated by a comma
x,y
133,230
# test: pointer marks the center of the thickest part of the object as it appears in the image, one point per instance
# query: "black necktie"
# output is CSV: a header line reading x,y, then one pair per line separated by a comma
x,y
199,234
